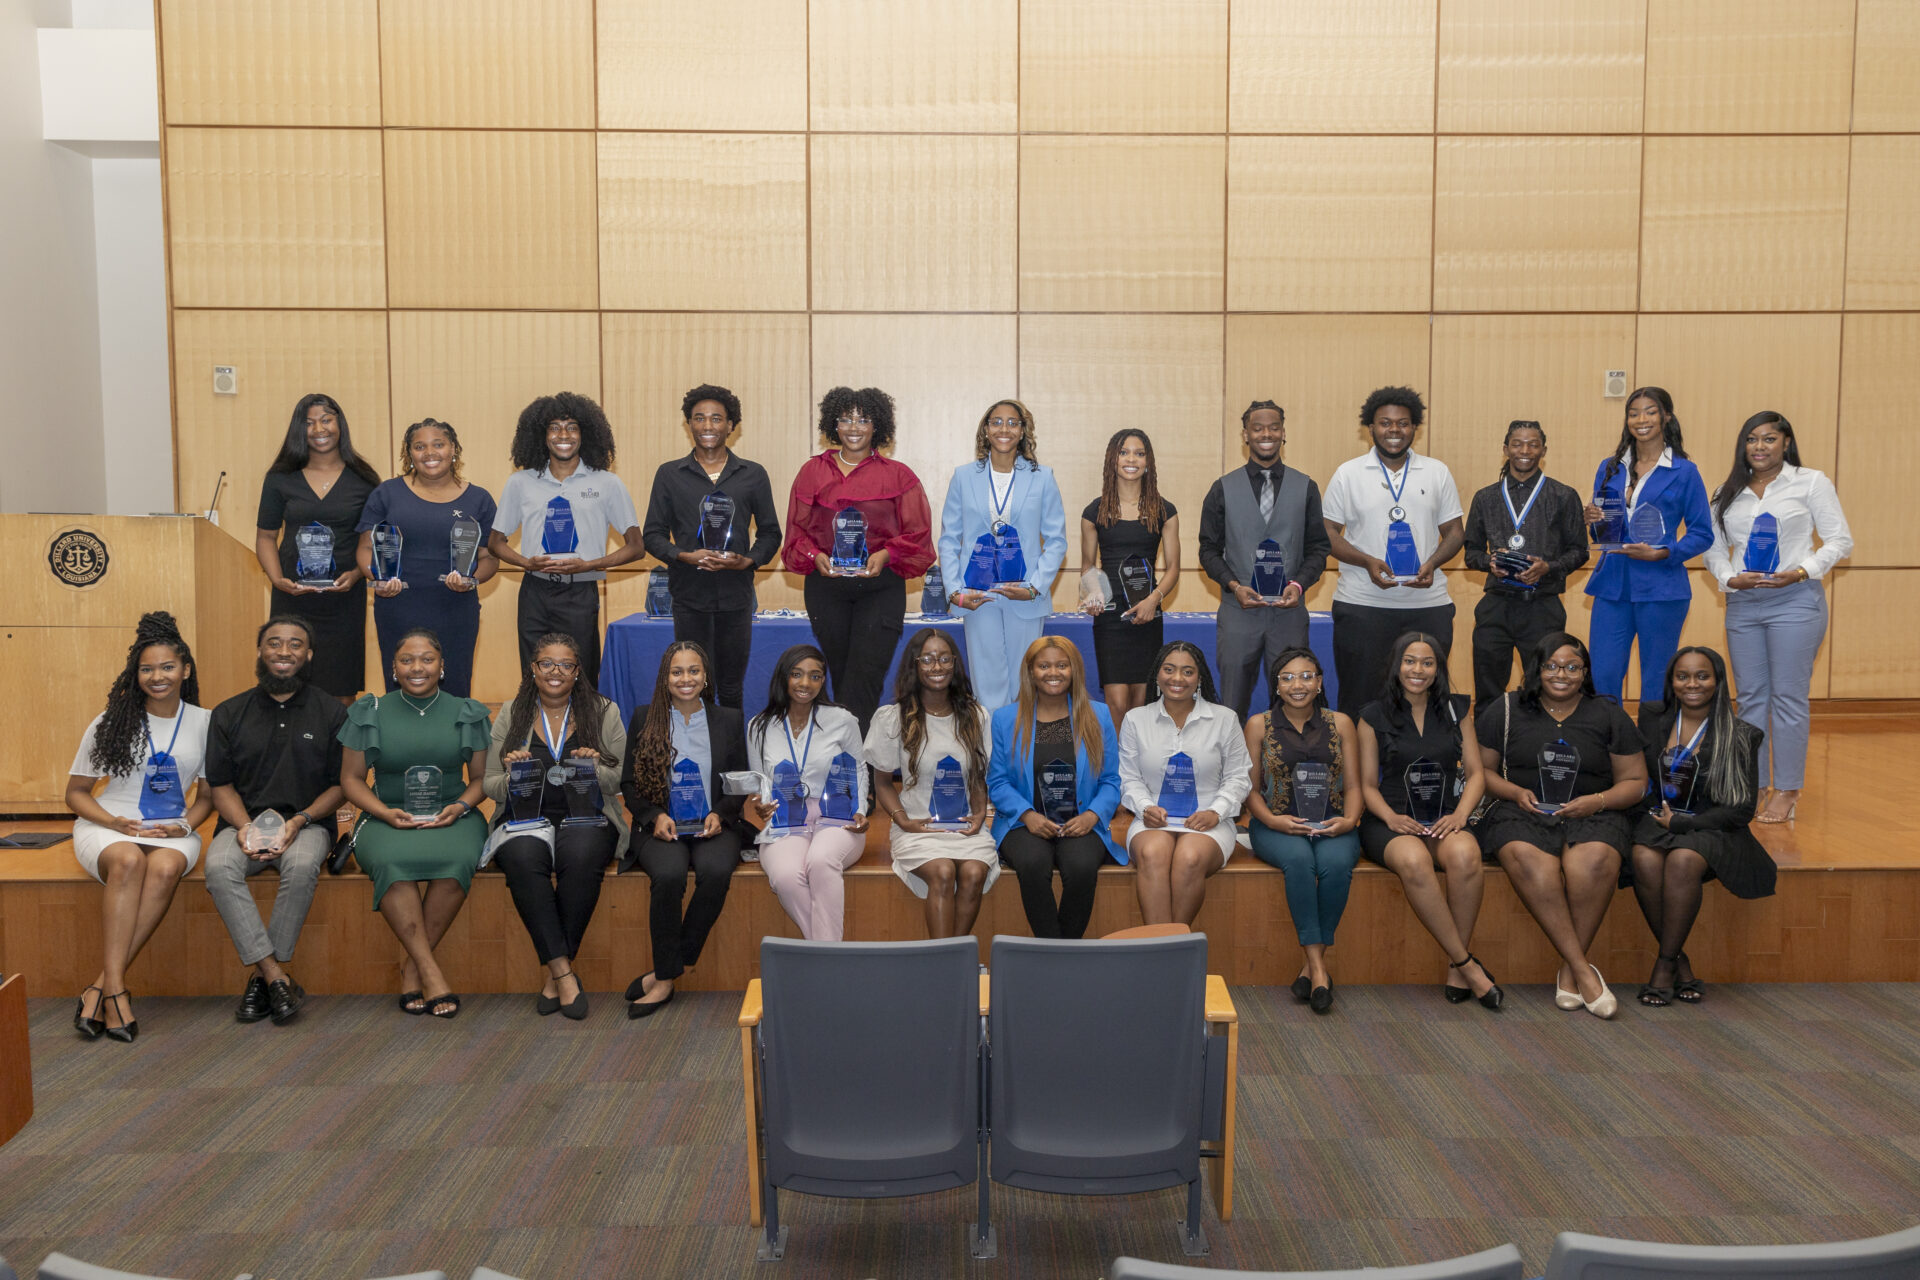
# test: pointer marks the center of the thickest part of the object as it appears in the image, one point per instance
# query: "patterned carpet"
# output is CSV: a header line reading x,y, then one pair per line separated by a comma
x,y
359,1142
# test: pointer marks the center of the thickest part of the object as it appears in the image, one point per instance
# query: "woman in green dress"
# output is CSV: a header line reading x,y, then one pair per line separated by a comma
x,y
428,753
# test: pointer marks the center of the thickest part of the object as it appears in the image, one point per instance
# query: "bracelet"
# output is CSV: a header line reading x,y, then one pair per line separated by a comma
x,y
464,805
305,821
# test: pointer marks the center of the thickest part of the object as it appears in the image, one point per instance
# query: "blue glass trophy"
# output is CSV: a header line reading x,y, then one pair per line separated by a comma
x,y
837,807
463,544
716,521
849,557
933,594
1312,792
1609,532
161,795
1763,545
947,797
1059,793
526,789
387,543
789,799
659,595
1558,775
558,537
313,555
687,797
1009,559
1177,790
1269,572
1403,554
983,564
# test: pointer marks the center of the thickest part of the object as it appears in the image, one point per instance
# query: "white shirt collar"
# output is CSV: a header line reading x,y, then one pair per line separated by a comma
x,y
1201,708
1374,457
1626,455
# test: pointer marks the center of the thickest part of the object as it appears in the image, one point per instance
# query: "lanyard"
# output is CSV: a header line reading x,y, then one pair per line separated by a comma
x,y
800,761
1406,469
558,746
153,755
1683,754
1506,494
993,492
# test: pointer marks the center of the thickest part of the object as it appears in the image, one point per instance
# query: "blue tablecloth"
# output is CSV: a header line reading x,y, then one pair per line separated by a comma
x,y
630,660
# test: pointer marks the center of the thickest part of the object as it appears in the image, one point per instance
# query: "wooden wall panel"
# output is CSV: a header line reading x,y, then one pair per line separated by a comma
x,y
877,64
1878,472
487,64
1147,66
276,218
1329,224
1886,46
1121,224
1723,369
1516,66
491,219
1303,66
1536,224
1743,224
703,221
1883,236
1749,66
1320,369
1876,614
289,62
921,223
726,64
280,356
1086,377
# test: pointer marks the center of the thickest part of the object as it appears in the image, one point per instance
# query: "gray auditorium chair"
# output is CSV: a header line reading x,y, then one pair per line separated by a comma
x,y
6,1272
58,1266
1495,1264
868,1063
488,1273
1098,1068
1581,1257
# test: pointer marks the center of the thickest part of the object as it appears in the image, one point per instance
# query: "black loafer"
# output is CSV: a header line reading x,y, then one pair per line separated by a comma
x,y
1302,988
1321,1000
285,996
253,1001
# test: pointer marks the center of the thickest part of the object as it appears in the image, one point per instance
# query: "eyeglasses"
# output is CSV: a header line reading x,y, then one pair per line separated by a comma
x,y
1297,677
1006,422
856,420
1565,668
548,666
935,659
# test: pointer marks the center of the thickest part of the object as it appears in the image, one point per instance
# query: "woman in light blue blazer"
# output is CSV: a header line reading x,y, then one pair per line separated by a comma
x,y
1037,825
1004,496
1642,592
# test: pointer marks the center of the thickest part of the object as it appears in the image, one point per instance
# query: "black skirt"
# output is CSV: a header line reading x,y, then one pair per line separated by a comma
x,y
1506,822
1124,651
1735,858
339,622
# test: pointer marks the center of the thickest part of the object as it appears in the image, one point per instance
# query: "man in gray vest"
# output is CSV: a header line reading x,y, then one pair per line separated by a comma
x,y
1260,502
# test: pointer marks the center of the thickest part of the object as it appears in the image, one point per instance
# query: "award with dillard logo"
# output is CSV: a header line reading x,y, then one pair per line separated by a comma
x,y
526,788
263,831
1403,553
837,801
1426,791
420,791
947,797
849,556
1059,791
1010,560
1269,571
1680,769
789,799
659,594
687,797
1177,789
1312,792
583,793
558,536
716,521
1559,773
1763,545
1136,579
983,565
463,544
387,543
1609,532
313,555
933,594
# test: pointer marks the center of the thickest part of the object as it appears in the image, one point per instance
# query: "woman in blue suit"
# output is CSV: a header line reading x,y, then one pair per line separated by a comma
x,y
1003,490
1643,592
1047,815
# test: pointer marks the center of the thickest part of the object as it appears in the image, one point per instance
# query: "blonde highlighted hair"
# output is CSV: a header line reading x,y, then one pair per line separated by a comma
x,y
1086,726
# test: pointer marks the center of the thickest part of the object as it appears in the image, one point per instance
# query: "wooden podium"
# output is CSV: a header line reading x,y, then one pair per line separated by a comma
x,y
76,587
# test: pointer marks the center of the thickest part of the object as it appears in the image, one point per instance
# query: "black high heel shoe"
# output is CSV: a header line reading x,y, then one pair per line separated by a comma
x,y
90,1028
1494,998
124,1034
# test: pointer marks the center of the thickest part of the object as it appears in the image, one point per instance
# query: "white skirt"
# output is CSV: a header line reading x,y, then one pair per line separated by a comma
x,y
90,840
912,850
1222,833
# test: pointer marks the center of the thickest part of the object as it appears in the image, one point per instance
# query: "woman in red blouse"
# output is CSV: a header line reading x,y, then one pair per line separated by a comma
x,y
858,608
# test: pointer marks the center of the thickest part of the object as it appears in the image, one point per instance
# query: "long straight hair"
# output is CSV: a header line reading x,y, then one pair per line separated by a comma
x,y
295,451
1393,694
779,701
1741,474
1086,725
1726,778
653,752
913,712
1670,428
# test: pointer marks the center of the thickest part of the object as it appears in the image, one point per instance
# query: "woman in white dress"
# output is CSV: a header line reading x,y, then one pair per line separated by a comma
x,y
935,733
137,835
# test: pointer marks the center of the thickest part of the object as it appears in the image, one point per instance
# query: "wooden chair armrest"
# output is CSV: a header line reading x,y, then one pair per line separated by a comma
x,y
1219,1002
751,1007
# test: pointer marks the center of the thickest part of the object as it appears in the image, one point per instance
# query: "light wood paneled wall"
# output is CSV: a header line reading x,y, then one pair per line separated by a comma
x,y
1138,215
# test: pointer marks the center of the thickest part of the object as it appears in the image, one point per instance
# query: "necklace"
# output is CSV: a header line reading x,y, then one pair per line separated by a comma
x,y
416,706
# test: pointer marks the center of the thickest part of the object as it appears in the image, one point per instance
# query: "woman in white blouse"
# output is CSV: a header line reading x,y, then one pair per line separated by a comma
x,y
1184,773
1776,609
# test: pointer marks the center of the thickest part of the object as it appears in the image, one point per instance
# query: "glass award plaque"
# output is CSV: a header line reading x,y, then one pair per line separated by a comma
x,y
1647,525
1059,791
1514,563
849,556
1177,790
1559,773
387,543
1269,571
1096,593
1136,579
1679,770
933,594
1426,791
837,808
526,789
983,564
583,793
659,595
1312,792
789,799
687,797
263,831
1609,532
716,521
947,797
558,536
162,796
463,544
420,791
1009,559
1763,545
1403,554
313,555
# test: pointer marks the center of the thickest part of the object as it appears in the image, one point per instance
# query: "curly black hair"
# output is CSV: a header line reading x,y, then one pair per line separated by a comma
x,y
530,436
873,403
1406,397
719,395
119,740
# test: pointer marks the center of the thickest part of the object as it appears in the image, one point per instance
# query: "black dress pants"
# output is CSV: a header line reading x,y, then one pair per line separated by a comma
x,y
1501,624
556,899
1363,639
568,608
728,639
677,939
1033,858
857,623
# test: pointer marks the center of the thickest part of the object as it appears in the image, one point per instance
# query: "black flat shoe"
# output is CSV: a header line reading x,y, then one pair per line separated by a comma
x,y
89,1028
545,1005
1302,988
638,987
1494,998
575,1009
285,998
253,1001
1321,999
645,1009
127,1033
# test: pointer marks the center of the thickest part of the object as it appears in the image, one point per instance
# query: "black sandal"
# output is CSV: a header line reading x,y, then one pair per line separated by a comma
x,y
96,1026
1655,997
408,1000
1691,990
125,1032
1494,998
434,1003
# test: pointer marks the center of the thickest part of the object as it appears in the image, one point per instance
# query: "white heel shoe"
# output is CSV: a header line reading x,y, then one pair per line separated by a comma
x,y
1607,1005
1563,998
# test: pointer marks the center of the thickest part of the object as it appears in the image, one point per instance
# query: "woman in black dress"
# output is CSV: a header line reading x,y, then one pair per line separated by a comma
x,y
319,479
1704,762
1130,518
1563,862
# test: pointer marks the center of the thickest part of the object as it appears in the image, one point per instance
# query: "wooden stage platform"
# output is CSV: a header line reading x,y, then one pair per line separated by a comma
x,y
1848,909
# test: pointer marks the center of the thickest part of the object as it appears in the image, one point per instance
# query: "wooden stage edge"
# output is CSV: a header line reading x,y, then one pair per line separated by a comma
x,y
1847,910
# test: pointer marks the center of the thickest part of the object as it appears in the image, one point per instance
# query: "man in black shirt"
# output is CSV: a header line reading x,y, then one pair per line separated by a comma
x,y
275,747
713,596
1524,515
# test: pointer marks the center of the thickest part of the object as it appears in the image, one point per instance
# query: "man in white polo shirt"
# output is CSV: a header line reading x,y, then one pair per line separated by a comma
x,y
1394,518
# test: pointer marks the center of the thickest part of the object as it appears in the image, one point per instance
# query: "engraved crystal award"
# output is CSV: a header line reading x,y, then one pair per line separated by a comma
x,y
789,799
1269,571
849,557
1763,545
947,797
1177,790
463,544
716,521
420,791
1609,532
1136,579
558,536
387,543
1426,791
583,794
659,594
687,797
837,800
933,594
1312,792
526,788
1559,774
1059,795
263,831
313,555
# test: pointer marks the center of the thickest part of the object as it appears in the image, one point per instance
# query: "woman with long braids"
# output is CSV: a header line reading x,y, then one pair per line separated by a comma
x,y
1129,519
1184,773
679,745
554,870
137,836
1703,761
318,479
934,734
423,502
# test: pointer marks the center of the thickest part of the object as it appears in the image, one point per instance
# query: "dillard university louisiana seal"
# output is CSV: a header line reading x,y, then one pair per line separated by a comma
x,y
78,557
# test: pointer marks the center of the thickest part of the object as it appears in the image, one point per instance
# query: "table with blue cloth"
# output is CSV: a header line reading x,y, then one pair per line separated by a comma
x,y
631,661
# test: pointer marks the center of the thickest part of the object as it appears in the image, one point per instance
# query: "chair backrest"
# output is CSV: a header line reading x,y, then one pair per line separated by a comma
x,y
1495,1264
488,1273
1097,1063
58,1266
6,1272
871,1065
1581,1257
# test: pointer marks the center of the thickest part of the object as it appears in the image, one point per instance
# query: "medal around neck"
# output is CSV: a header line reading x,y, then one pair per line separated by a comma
x,y
789,799
1269,571
387,542
849,556
1059,792
313,555
1136,579
583,793
659,595
1426,791
947,796
420,791
1312,792
463,544
1763,545
716,521
263,831
687,797
559,536
1609,532
1178,791
837,808
526,790
1559,773
933,594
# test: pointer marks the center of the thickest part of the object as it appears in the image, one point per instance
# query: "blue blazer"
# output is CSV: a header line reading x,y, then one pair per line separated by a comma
x,y
1034,510
1010,778
1681,496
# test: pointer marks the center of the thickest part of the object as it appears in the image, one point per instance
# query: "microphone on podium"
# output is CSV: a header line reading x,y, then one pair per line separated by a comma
x,y
213,503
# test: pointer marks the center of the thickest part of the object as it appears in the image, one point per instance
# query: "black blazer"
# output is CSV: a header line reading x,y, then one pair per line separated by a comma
x,y
726,728
1656,726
